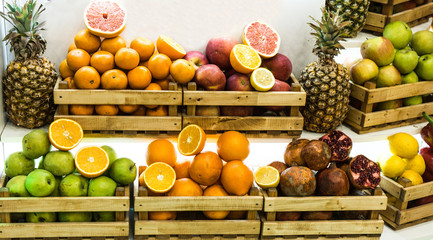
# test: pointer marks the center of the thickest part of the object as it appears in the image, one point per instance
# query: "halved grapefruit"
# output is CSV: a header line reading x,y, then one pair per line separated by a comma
x,y
262,38
105,18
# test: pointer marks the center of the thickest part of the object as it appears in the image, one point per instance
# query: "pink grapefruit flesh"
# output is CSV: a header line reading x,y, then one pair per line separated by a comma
x,y
262,38
105,18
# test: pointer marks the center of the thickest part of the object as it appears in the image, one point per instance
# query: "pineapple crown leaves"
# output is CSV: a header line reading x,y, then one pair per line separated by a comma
x,y
24,35
327,33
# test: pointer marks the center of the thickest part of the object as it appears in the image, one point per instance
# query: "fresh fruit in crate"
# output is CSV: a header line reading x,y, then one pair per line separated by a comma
x,y
218,51
29,80
399,33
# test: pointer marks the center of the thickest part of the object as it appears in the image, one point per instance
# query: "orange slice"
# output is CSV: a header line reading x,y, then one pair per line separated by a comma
x,y
169,47
159,177
267,177
262,38
191,140
91,161
262,79
244,59
65,134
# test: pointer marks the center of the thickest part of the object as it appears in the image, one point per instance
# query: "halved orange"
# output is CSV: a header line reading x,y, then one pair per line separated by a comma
x,y
91,161
244,59
159,177
65,134
191,140
169,47
267,177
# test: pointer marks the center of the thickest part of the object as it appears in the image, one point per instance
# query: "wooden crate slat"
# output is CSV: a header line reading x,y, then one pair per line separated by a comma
x,y
390,186
416,192
87,229
391,93
413,14
391,213
375,20
415,213
182,227
355,116
332,227
382,1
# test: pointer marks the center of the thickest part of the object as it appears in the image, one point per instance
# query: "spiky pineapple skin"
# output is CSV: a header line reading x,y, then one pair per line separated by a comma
x,y
28,92
326,84
355,11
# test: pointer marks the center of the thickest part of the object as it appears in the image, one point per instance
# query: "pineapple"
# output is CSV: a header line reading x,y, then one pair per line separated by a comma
x,y
354,11
29,80
325,81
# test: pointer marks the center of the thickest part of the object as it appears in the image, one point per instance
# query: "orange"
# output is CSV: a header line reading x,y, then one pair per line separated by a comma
x,y
128,109
161,150
64,70
191,140
144,64
153,86
87,78
159,177
182,71
185,187
162,215
233,145
139,78
237,215
87,41
72,47
126,58
158,111
167,46
144,47
77,58
215,190
102,61
182,168
91,161
71,83
163,83
107,110
112,45
141,111
236,178
244,59
65,134
159,66
206,168
114,79
81,109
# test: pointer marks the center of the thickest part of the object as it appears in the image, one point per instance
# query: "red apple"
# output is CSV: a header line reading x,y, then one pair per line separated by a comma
x,y
210,77
280,66
197,58
218,51
238,82
240,111
207,111
278,86
427,176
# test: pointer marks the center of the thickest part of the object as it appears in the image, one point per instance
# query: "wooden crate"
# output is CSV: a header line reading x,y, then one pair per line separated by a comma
x,y
376,22
398,214
192,224
288,124
122,125
362,119
65,230
370,228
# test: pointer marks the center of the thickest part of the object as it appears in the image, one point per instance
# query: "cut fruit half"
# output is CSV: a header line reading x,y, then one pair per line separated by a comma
x,y
105,18
191,140
159,177
267,177
91,161
244,59
65,134
262,79
169,47
262,38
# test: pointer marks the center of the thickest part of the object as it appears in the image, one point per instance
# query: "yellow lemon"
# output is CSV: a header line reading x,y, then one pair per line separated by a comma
x,y
391,165
413,176
403,145
416,163
267,177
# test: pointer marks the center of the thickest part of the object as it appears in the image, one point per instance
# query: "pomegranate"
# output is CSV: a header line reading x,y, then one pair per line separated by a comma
x,y
317,215
288,216
292,156
363,173
280,166
340,145
297,181
316,155
332,181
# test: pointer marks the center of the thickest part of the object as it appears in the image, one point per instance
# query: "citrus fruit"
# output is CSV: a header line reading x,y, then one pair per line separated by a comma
x,y
128,109
77,58
416,164
206,168
72,47
267,177
262,79
185,187
159,177
163,83
65,134
153,87
262,38
87,41
158,111
191,140
244,59
411,175
91,161
81,109
182,168
105,18
126,58
161,150
107,110
139,78
233,145
112,45
169,47
215,190
64,70
182,71
144,47
159,66
102,61
141,111
162,215
403,145
236,178
114,79
87,77
391,165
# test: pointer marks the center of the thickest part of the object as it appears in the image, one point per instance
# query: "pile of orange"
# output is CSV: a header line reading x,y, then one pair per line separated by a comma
x,y
209,174
109,63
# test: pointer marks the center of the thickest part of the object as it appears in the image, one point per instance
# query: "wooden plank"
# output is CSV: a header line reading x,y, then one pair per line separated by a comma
x,y
382,1
390,186
417,191
413,14
395,226
172,109
331,227
375,19
205,227
355,116
361,130
5,217
415,213
2,179
391,212
72,229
